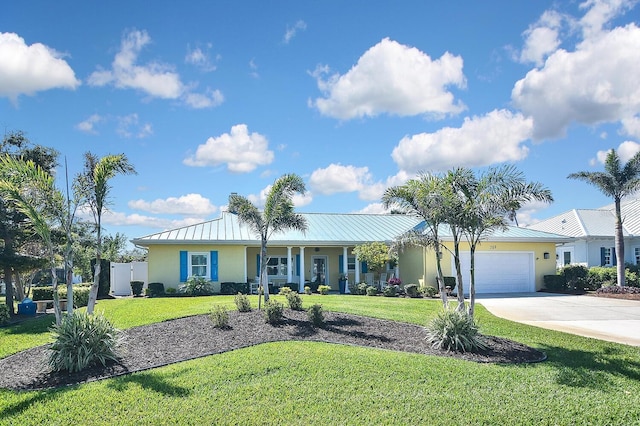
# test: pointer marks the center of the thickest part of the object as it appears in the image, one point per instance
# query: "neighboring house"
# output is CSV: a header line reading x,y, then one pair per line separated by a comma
x,y
593,232
224,250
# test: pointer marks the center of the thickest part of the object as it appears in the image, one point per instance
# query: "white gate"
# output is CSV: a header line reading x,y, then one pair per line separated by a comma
x,y
123,273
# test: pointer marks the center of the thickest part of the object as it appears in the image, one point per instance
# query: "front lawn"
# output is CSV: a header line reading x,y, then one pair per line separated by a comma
x,y
584,381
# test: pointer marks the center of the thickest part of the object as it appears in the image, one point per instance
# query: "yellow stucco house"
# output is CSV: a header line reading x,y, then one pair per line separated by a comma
x,y
225,250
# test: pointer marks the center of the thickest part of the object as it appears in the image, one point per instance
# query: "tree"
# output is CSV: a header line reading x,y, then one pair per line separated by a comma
x,y
424,198
616,181
377,254
13,223
93,183
33,191
489,199
278,215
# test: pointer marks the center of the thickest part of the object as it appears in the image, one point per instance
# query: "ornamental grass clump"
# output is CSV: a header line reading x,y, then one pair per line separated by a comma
x,y
82,340
455,331
242,302
219,317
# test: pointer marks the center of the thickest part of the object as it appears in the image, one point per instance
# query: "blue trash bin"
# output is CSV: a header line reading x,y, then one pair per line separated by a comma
x,y
27,307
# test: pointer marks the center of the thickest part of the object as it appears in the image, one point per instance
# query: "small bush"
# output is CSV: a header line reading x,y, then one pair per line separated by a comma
x,y
307,289
575,276
371,291
429,291
448,282
82,340
273,311
234,288
361,289
323,289
389,291
155,289
315,315
294,301
219,317
4,314
242,302
284,291
80,296
170,290
412,290
42,293
196,286
136,288
454,331
555,282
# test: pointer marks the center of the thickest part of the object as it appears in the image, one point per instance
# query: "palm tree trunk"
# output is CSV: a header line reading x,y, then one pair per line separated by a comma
x,y
264,281
93,293
69,278
440,278
472,284
619,243
456,261
54,285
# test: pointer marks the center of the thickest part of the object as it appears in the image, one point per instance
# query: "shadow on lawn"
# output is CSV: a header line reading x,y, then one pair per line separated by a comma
x,y
148,381
590,369
35,325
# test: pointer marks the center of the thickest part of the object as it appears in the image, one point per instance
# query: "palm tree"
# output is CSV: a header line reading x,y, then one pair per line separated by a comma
x,y
617,182
423,197
278,215
94,184
32,190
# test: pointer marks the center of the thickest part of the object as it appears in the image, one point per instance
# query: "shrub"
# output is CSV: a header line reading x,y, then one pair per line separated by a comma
x,y
389,291
42,293
323,289
234,288
273,311
136,288
4,314
307,289
196,286
242,302
361,289
371,291
575,276
284,291
170,290
597,276
155,289
315,315
82,340
412,290
429,291
555,282
219,317
294,301
456,331
80,296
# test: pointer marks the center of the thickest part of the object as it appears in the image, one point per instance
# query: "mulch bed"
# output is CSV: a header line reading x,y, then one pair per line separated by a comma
x,y
168,342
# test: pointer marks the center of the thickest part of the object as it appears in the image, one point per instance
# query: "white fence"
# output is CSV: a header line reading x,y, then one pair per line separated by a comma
x,y
123,273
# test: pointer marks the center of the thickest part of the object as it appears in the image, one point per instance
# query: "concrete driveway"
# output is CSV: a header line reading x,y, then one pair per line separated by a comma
x,y
603,318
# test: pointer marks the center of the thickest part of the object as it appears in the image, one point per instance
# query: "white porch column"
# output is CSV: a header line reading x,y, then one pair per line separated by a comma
x,y
358,268
301,284
289,266
345,268
245,265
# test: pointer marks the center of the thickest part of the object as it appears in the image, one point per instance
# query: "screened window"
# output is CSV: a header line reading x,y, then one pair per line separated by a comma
x,y
277,266
199,264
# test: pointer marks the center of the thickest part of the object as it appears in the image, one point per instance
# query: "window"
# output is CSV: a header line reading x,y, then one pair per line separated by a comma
x,y
606,256
277,266
567,258
636,255
199,264
351,263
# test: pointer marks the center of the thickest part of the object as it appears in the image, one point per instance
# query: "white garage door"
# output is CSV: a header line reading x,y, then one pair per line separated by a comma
x,y
499,272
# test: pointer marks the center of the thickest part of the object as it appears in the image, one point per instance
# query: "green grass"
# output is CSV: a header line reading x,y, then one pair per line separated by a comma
x,y
584,381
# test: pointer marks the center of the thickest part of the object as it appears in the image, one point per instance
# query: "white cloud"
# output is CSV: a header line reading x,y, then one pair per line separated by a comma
x,y
299,200
631,126
129,126
493,138
211,98
27,69
374,208
625,150
601,12
88,125
594,84
123,219
541,38
190,204
525,214
292,31
338,178
155,79
395,79
201,58
241,151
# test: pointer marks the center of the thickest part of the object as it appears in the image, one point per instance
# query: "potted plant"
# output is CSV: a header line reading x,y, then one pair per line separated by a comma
x,y
136,288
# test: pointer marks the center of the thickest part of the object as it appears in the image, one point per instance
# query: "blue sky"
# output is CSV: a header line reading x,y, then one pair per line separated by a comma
x,y
207,98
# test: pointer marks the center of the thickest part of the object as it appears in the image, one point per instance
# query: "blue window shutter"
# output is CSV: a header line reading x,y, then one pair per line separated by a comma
x,y
257,265
341,267
613,256
214,266
184,265
601,256
364,267
298,265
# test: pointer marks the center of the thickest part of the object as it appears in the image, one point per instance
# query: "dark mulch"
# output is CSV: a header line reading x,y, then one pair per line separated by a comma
x,y
182,339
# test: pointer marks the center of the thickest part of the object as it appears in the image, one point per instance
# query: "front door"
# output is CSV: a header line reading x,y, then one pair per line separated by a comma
x,y
319,273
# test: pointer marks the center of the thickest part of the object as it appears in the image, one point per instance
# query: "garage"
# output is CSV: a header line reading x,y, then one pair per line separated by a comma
x,y
499,272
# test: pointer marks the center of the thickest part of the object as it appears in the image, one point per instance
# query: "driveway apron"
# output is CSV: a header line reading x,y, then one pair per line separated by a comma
x,y
614,320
